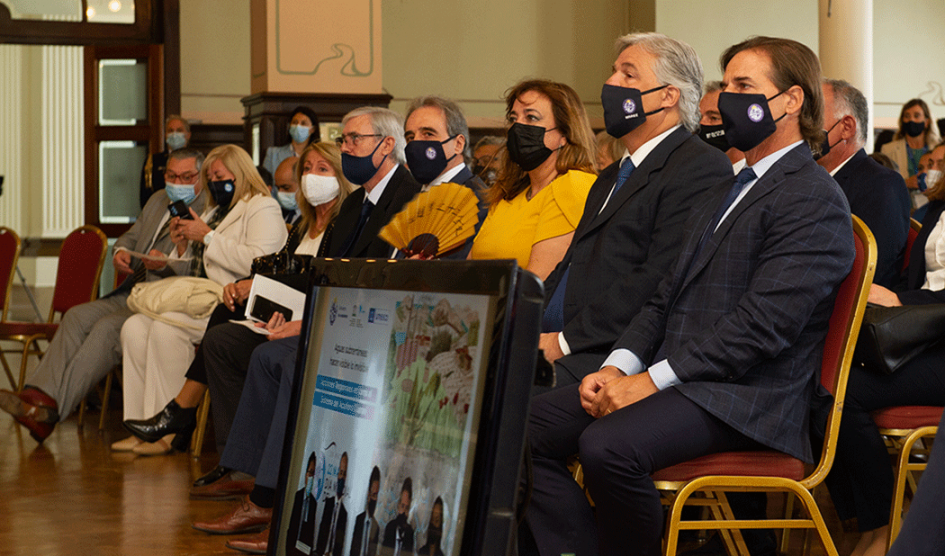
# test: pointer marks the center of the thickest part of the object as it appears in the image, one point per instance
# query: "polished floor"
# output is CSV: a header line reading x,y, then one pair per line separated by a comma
x,y
73,496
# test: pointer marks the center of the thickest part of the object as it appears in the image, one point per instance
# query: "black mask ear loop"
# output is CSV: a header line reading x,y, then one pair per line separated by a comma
x,y
769,106
654,89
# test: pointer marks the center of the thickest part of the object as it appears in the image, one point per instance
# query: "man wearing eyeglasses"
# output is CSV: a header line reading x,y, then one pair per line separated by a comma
x,y
86,345
372,156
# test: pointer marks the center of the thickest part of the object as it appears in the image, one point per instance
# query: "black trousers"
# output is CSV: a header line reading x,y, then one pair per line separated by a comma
x,y
619,452
861,481
222,364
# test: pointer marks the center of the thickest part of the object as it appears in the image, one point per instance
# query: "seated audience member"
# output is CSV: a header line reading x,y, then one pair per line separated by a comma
x,y
435,124
398,533
609,149
372,146
227,346
544,180
241,222
711,129
861,480
287,186
86,346
931,169
487,158
876,194
915,137
176,136
724,356
303,131
635,216
884,160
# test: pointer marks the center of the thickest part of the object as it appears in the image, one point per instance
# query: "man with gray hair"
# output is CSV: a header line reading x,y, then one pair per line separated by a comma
x,y
372,156
86,346
710,125
437,143
633,223
876,194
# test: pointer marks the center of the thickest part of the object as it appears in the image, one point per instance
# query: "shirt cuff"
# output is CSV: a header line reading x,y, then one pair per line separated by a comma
x,y
563,344
663,375
208,238
626,361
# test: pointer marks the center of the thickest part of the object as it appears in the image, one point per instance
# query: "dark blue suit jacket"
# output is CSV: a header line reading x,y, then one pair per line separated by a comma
x,y
618,257
744,328
879,197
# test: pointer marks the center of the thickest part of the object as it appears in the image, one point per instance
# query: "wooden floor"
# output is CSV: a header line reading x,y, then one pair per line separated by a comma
x,y
72,496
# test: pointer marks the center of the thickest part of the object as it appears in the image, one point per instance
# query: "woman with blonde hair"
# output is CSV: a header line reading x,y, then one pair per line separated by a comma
x,y
241,222
914,138
322,190
539,197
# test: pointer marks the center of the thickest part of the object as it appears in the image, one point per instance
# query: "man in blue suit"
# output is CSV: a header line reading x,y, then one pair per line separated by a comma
x,y
726,355
631,231
876,194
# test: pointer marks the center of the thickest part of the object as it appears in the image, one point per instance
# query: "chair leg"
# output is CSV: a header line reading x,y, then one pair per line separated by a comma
x,y
81,417
105,398
6,369
904,469
786,532
203,412
32,340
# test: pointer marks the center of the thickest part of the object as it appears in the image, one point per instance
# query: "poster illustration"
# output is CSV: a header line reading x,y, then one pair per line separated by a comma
x,y
394,380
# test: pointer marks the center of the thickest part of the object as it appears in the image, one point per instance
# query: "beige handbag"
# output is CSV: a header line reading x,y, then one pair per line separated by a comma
x,y
195,297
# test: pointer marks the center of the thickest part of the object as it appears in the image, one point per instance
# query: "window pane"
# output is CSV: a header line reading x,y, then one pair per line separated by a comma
x,y
110,11
123,92
51,10
119,170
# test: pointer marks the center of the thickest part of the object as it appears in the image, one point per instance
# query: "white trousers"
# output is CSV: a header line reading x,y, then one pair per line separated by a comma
x,y
155,358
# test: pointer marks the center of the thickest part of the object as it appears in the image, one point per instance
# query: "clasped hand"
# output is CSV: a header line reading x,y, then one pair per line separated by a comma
x,y
609,389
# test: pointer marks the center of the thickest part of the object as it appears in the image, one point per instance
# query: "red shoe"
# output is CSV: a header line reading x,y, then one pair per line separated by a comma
x,y
257,544
33,409
245,518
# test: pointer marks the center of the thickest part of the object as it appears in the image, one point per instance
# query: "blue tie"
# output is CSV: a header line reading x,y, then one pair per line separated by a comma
x,y
362,220
553,319
743,177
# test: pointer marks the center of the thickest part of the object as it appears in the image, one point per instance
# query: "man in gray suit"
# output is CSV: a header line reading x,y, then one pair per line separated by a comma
x,y
726,355
86,346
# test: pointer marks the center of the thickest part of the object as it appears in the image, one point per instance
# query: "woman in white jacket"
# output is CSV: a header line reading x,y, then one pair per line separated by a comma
x,y
242,221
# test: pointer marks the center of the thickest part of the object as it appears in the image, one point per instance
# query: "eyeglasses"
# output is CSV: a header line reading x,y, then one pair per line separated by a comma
x,y
353,139
189,177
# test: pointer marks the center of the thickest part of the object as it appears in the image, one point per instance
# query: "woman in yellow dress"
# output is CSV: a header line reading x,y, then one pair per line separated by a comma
x,y
539,197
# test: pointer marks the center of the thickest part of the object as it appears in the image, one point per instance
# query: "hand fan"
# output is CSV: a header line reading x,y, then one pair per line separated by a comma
x,y
434,222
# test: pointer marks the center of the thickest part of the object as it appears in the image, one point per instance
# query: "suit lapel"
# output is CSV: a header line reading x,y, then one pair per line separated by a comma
x,y
640,176
789,163
379,214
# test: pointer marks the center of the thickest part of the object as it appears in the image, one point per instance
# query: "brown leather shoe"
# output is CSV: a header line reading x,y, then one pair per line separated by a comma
x,y
224,488
33,409
256,544
245,518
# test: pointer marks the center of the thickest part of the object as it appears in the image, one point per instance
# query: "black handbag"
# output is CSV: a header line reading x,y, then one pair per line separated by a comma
x,y
892,336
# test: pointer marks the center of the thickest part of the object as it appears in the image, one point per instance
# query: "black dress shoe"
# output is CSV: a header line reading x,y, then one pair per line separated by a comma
x,y
213,476
173,419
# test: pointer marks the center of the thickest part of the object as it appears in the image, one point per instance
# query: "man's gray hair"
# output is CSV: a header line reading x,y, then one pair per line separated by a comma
x,y
455,120
849,101
177,117
384,122
713,86
184,154
677,64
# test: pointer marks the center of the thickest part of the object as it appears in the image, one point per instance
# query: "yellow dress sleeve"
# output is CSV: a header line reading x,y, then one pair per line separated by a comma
x,y
562,209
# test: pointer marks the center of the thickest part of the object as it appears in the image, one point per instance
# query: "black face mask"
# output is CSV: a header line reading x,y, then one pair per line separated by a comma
x,y
222,191
371,506
913,129
426,159
826,146
715,136
747,119
623,108
360,169
526,145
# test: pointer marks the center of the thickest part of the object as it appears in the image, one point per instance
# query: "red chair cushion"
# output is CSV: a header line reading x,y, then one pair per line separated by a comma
x,y
763,463
907,417
12,328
